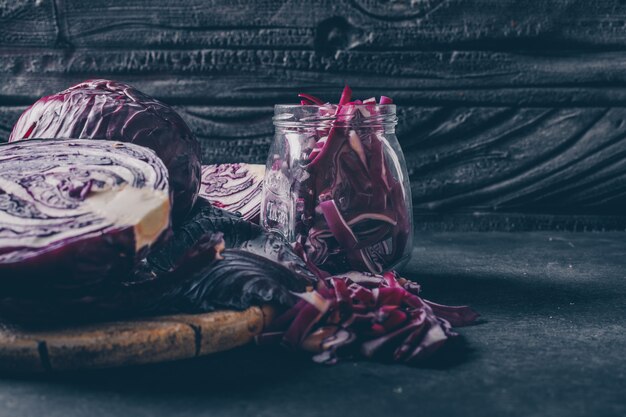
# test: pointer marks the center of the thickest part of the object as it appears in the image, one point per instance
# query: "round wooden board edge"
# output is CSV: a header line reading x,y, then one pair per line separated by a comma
x,y
129,342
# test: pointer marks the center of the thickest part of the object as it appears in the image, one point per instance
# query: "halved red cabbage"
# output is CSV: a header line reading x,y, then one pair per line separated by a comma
x,y
111,110
76,214
234,187
240,280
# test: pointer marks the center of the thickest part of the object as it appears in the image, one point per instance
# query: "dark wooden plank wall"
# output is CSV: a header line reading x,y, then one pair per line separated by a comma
x,y
513,113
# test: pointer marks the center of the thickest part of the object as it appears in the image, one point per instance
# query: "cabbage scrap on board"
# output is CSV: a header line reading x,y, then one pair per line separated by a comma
x,y
112,110
234,187
256,267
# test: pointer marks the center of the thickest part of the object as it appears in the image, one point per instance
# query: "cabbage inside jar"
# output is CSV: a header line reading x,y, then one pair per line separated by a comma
x,y
336,184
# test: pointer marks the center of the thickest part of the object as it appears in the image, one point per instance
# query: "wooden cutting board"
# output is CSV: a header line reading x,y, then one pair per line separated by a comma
x,y
132,342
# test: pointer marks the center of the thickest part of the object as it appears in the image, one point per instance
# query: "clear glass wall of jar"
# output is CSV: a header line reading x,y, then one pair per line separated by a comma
x,y
336,185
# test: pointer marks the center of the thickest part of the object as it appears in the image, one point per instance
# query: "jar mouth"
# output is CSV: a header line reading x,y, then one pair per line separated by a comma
x,y
313,107
312,115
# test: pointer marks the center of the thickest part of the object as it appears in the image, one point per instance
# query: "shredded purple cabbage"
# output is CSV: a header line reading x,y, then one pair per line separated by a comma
x,y
351,210
369,316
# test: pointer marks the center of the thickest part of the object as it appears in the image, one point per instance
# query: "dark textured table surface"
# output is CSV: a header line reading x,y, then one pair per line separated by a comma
x,y
551,343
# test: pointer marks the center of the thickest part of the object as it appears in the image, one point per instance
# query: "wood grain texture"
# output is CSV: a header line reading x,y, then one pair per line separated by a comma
x,y
435,51
132,342
505,106
259,76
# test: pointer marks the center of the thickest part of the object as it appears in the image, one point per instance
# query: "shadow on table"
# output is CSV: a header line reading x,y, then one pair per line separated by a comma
x,y
514,294
457,351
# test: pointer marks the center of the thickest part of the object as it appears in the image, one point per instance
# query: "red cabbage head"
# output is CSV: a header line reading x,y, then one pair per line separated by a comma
x,y
111,110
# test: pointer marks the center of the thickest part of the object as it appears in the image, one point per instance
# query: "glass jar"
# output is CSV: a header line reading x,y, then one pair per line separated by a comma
x,y
336,184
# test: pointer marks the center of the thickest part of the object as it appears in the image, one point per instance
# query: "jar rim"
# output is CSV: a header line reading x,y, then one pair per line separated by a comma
x,y
330,105
296,115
